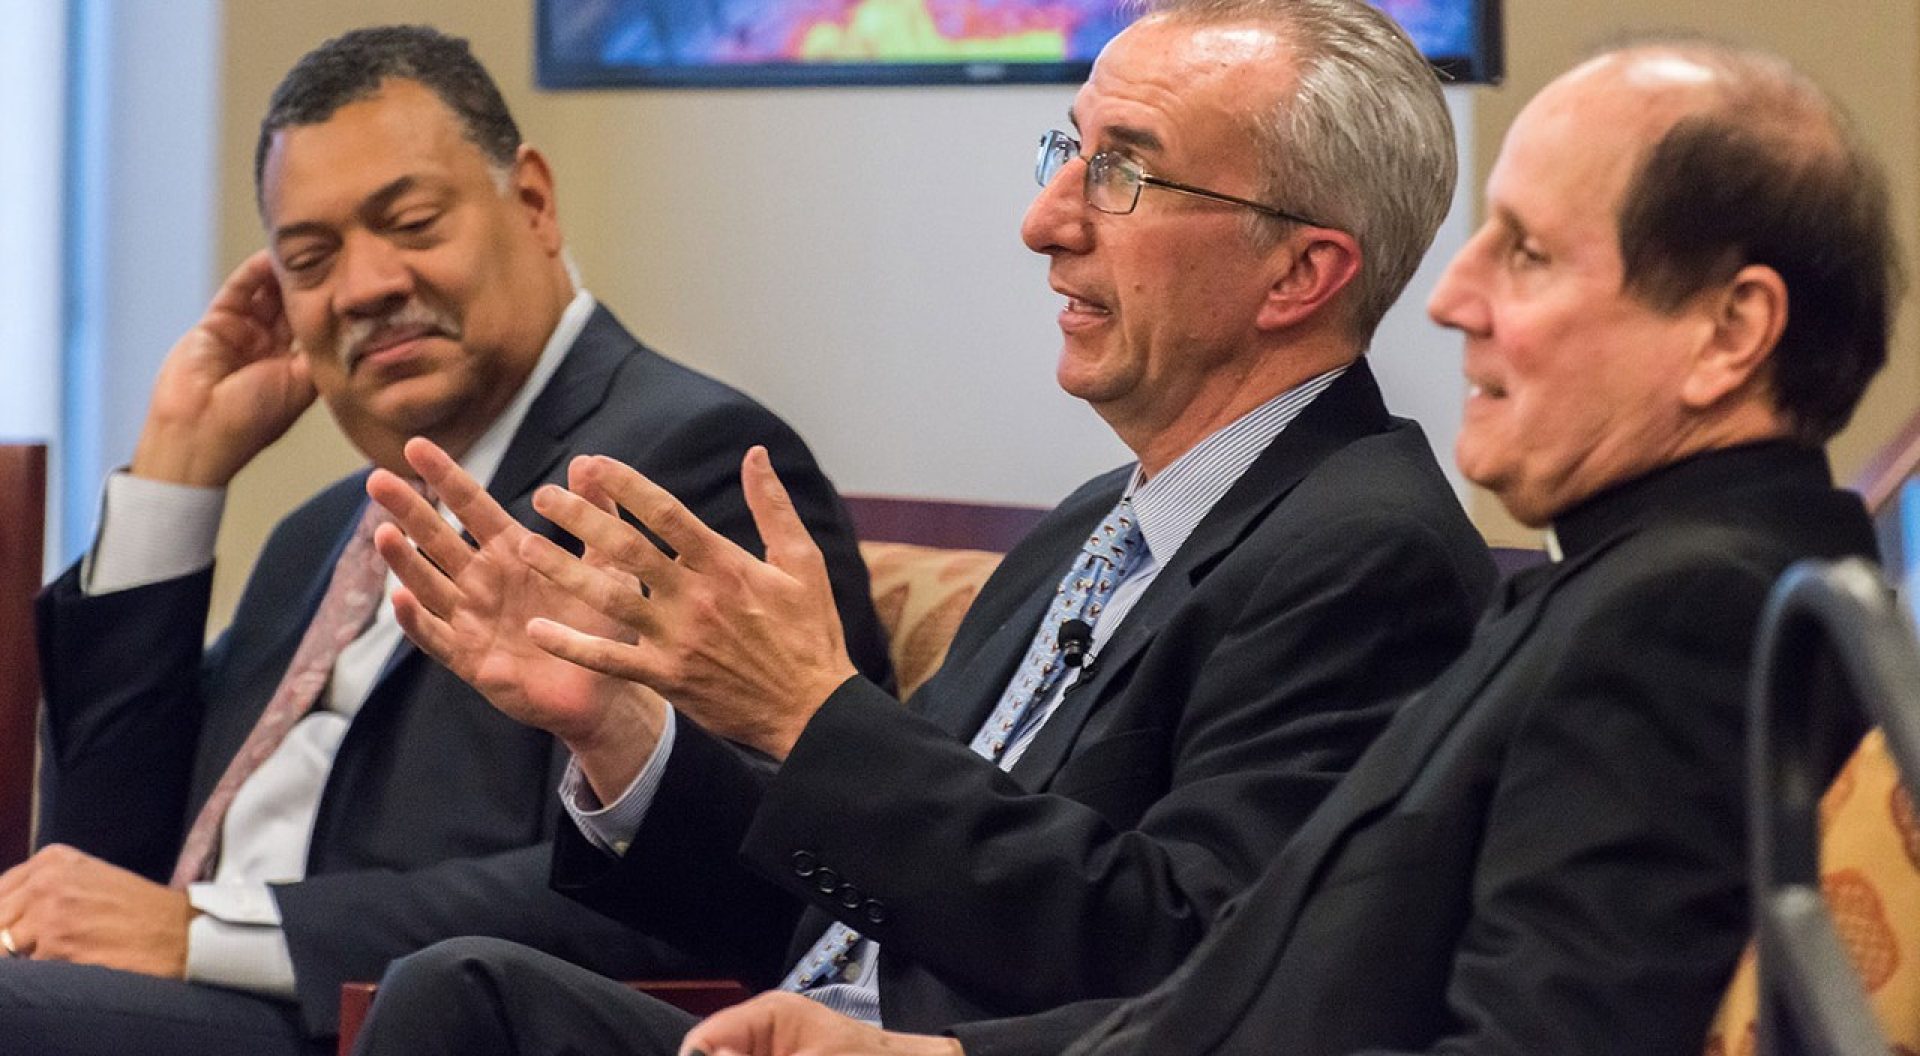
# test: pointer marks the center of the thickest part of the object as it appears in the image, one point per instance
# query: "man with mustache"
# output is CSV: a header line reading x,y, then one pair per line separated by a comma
x,y
1685,281
240,829
1253,597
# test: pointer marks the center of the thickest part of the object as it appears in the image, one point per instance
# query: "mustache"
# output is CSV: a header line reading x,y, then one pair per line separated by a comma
x,y
414,315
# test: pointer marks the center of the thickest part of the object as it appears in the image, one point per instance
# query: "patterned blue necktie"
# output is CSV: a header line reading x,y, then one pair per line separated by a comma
x,y
1108,556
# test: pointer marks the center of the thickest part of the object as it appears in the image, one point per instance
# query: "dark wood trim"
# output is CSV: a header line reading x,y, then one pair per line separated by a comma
x,y
938,522
23,506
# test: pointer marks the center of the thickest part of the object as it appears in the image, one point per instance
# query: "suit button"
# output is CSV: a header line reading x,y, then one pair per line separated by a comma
x,y
875,910
850,896
826,880
804,863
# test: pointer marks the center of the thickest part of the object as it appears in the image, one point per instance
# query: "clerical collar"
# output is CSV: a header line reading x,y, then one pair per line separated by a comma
x,y
1702,481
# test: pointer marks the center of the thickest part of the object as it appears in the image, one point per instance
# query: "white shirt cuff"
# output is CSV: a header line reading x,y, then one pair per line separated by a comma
x,y
236,941
612,827
151,531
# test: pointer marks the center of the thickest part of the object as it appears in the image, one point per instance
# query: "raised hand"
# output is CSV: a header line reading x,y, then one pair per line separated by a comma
x,y
232,385
749,649
782,1024
468,606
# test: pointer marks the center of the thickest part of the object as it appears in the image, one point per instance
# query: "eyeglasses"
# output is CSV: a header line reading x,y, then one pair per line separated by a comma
x,y
1114,180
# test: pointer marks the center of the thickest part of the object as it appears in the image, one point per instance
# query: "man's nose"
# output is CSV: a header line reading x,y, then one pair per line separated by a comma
x,y
1058,219
373,278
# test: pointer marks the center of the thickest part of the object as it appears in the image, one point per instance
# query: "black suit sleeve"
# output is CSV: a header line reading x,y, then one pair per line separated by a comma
x,y
682,880
108,717
1270,687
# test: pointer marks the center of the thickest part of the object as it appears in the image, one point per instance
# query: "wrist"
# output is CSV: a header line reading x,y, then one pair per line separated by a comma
x,y
612,752
173,455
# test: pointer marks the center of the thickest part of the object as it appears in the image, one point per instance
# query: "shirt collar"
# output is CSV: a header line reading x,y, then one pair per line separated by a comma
x,y
483,459
1172,504
1701,481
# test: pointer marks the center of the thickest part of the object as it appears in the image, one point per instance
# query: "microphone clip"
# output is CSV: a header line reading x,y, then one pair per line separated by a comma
x,y
1076,643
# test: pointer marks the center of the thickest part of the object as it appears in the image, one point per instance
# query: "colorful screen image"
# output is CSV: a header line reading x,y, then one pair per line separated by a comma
x,y
595,43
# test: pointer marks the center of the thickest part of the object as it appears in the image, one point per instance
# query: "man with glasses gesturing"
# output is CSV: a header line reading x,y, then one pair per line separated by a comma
x,y
1154,690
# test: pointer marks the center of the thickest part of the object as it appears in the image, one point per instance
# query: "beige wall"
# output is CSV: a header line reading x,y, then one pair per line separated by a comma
x,y
851,256
1867,52
896,265
824,249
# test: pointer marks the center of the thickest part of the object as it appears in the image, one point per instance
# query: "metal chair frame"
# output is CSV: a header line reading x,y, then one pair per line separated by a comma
x,y
1832,636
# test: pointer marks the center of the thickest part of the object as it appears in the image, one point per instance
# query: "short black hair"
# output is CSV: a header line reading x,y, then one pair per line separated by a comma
x,y
353,66
1773,176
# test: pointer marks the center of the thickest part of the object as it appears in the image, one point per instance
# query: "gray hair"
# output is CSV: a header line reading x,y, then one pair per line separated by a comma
x,y
1363,143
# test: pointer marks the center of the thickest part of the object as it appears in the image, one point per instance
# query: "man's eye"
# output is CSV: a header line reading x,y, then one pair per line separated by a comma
x,y
304,263
415,223
1528,255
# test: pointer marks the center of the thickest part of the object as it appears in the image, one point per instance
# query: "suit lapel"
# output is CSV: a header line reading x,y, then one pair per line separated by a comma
x,y
1349,409
576,390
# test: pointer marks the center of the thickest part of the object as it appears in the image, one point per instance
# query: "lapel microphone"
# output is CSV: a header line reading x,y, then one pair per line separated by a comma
x,y
1075,638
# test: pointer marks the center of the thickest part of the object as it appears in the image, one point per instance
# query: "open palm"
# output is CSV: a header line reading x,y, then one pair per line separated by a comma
x,y
468,605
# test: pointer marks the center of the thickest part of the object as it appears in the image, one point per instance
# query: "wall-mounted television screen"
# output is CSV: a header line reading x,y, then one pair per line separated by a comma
x,y
760,43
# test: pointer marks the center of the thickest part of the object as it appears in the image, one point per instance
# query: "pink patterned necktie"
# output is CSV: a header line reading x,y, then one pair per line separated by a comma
x,y
352,596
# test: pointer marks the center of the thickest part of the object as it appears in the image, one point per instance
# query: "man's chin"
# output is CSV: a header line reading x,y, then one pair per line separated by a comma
x,y
414,407
1086,375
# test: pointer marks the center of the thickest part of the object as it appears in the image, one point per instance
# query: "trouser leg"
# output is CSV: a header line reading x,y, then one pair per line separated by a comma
x,y
488,997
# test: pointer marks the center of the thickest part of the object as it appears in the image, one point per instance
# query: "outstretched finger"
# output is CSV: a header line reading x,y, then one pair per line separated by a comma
x,y
431,633
418,575
615,597
790,546
477,511
581,484
697,545
613,542
602,655
420,522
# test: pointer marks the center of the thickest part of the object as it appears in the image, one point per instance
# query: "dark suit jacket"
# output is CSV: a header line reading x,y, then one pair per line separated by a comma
x,y
1545,853
1337,576
435,815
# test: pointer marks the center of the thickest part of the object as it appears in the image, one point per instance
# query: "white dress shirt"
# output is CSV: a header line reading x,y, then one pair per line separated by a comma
x,y
152,531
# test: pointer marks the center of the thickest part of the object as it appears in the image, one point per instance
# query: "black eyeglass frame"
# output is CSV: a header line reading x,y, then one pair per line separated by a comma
x,y
1139,177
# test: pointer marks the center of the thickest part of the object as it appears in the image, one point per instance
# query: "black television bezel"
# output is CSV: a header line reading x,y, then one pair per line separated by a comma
x,y
550,72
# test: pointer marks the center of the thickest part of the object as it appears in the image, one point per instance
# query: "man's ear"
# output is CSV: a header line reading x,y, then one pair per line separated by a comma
x,y
531,185
1313,265
1745,319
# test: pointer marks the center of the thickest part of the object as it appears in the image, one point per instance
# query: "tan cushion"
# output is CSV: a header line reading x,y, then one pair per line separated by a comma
x,y
1870,871
920,593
